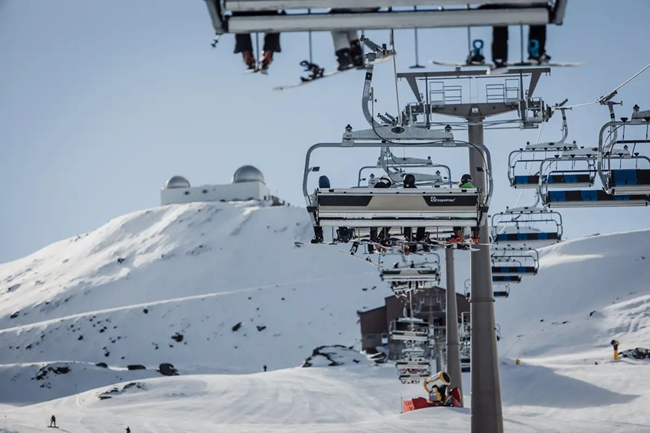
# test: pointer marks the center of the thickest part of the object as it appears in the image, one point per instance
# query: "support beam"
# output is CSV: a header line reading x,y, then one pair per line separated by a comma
x,y
453,346
486,412
386,20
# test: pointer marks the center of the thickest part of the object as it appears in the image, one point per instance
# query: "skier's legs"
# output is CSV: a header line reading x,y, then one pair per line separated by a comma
x,y
340,41
538,33
500,44
272,43
243,43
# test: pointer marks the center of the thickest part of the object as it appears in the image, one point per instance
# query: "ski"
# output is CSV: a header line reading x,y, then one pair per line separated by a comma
x,y
321,244
321,74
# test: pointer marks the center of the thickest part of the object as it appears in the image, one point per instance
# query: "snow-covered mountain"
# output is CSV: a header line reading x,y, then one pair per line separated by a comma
x,y
210,288
221,288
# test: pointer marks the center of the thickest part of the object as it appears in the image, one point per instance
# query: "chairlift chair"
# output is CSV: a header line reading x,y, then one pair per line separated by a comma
x,y
502,293
624,172
363,208
527,227
515,262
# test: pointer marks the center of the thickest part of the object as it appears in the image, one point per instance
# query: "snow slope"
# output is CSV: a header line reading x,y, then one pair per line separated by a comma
x,y
169,284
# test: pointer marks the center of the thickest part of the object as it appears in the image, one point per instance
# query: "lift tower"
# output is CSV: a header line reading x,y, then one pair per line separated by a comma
x,y
444,96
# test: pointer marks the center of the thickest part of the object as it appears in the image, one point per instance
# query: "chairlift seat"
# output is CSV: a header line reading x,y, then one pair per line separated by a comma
x,y
371,207
409,274
625,182
514,238
409,335
591,198
501,293
514,270
554,181
510,279
412,364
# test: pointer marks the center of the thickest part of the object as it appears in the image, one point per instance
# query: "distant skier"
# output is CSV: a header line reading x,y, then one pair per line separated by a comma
x,y
264,367
384,235
53,421
128,430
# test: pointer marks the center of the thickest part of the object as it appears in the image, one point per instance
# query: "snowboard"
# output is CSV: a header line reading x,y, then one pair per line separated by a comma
x,y
493,70
332,73
366,260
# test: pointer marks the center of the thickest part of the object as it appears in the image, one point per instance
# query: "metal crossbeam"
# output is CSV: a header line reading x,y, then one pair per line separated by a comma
x,y
274,5
386,20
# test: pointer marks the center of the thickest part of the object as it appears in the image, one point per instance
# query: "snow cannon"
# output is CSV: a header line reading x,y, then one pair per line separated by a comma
x,y
422,403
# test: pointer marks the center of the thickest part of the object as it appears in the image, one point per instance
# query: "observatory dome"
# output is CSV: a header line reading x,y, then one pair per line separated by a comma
x,y
177,182
247,173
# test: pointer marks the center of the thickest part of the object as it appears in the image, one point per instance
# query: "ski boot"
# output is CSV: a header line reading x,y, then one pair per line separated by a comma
x,y
500,64
318,235
344,234
356,53
267,59
540,60
344,59
249,60
475,235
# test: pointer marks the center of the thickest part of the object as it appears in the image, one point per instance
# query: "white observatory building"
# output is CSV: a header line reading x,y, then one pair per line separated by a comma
x,y
247,184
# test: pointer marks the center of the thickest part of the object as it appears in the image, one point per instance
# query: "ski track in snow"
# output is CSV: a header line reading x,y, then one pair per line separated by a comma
x,y
197,270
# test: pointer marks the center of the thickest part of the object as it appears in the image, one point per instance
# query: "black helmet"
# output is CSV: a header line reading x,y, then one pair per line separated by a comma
x,y
409,180
466,178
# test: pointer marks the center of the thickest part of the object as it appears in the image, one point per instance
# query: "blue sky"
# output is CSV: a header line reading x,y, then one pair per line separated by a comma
x,y
101,102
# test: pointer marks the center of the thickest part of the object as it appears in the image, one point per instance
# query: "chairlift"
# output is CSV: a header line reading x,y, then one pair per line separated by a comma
x,y
425,271
422,206
577,163
249,16
502,293
515,262
622,166
526,227
411,329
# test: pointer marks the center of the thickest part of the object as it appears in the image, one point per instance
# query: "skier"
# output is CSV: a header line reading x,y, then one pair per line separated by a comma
x,y
409,182
458,236
348,49
53,421
244,45
384,235
536,40
264,367
128,430
323,182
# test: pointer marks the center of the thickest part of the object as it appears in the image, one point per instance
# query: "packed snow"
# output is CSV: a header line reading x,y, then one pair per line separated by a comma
x,y
219,290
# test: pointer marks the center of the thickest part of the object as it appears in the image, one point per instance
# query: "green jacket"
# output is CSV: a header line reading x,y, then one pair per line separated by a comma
x,y
467,185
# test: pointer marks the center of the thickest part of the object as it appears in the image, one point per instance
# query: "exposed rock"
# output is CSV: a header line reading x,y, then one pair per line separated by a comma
x,y
167,369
